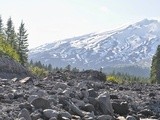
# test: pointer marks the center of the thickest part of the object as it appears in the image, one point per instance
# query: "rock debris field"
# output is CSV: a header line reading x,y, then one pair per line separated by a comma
x,y
77,96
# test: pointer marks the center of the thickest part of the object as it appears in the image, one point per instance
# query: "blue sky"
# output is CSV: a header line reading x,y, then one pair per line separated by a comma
x,y
50,20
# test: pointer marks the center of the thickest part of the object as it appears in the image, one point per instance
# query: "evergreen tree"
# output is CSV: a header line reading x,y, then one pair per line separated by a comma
x,y
68,67
155,67
49,67
1,26
10,34
31,62
22,38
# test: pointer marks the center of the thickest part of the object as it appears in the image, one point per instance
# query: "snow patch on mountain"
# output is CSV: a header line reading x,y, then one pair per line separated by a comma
x,y
132,45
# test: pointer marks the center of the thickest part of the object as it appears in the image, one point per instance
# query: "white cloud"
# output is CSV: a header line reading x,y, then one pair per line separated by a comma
x,y
104,9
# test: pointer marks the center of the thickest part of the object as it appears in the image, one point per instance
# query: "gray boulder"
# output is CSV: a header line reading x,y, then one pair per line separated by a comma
x,y
22,118
26,80
25,114
32,97
84,93
105,104
53,118
26,105
130,118
61,85
66,115
121,108
35,115
104,117
49,113
75,109
88,108
92,93
41,103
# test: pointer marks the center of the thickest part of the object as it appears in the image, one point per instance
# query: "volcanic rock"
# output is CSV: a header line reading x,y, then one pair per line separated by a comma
x,y
41,103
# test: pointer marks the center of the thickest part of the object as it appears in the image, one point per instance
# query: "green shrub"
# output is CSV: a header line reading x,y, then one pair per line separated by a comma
x,y
114,79
40,72
6,49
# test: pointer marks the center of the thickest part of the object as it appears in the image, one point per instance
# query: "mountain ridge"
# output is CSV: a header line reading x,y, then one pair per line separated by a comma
x,y
131,45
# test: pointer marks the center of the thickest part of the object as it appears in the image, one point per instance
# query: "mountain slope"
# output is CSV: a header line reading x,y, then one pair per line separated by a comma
x,y
133,45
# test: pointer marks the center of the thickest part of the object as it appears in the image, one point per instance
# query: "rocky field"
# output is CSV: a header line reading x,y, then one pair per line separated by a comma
x,y
77,96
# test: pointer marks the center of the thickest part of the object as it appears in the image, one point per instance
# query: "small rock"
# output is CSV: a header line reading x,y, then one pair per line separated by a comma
x,y
18,95
40,93
104,117
14,79
60,85
25,114
146,112
26,80
114,96
121,88
121,118
92,93
1,89
66,114
22,118
75,109
84,93
1,96
32,97
63,100
11,95
75,117
88,108
25,105
35,115
93,101
78,103
71,83
49,113
130,118
53,118
152,94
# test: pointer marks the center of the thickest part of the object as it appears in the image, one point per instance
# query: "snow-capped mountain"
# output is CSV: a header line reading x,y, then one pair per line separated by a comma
x,y
132,45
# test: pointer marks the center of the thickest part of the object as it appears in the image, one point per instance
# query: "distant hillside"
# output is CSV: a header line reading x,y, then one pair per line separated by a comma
x,y
131,70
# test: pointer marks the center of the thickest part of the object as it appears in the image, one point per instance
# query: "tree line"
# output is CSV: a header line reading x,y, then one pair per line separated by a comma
x,y
14,44
155,67
42,70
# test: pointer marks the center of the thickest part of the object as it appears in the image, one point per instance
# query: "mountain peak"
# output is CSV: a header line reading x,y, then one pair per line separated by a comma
x,y
147,22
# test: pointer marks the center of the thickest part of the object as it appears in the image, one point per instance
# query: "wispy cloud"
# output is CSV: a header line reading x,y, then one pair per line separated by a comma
x,y
104,9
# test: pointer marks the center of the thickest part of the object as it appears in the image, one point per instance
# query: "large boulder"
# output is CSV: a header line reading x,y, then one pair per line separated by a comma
x,y
94,75
10,69
75,109
121,108
41,103
105,104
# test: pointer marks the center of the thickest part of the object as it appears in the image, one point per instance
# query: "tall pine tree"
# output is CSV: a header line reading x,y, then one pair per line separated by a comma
x,y
10,34
1,26
22,38
155,67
